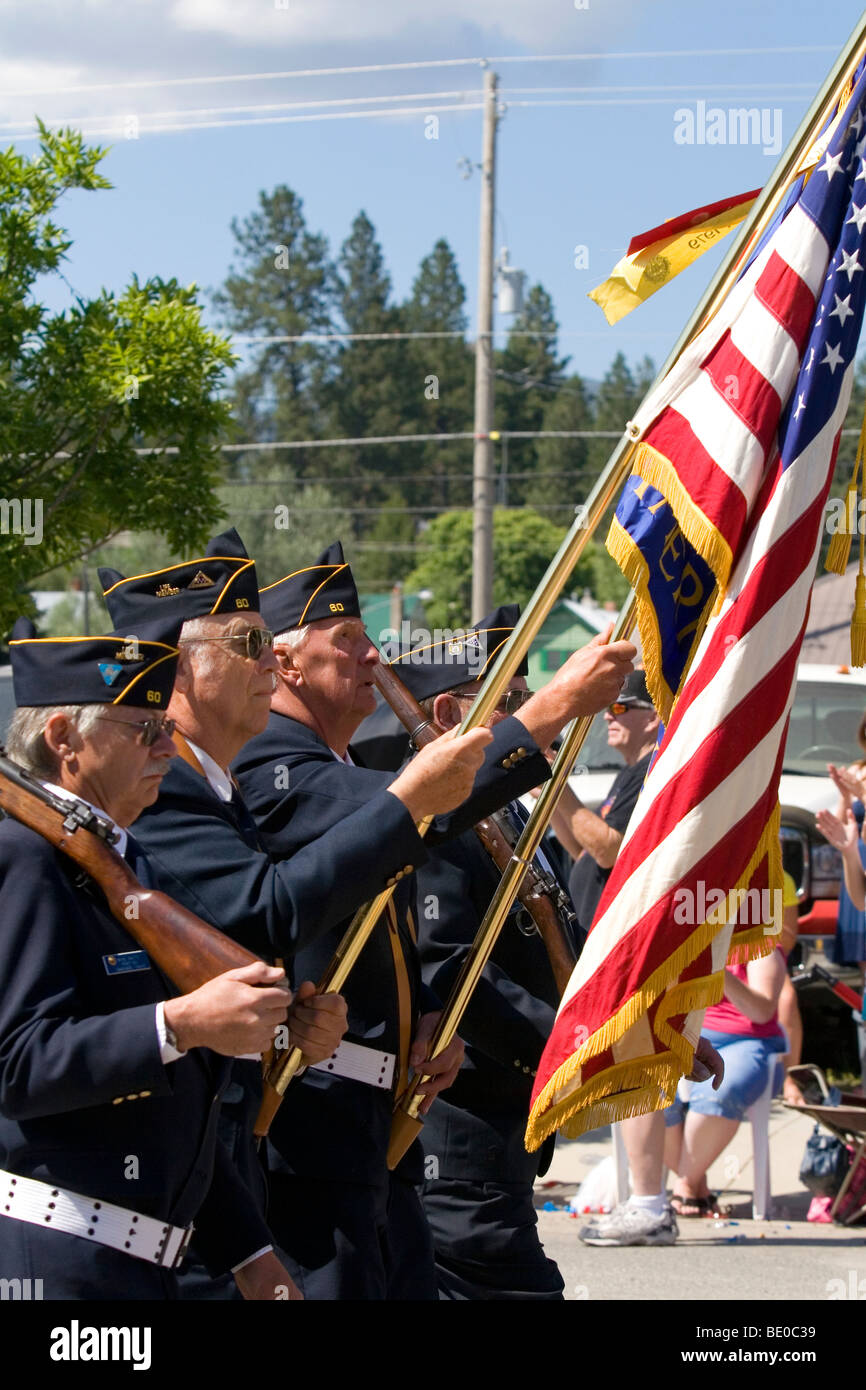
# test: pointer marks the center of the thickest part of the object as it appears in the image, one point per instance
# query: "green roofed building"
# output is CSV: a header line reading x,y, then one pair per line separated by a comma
x,y
570,624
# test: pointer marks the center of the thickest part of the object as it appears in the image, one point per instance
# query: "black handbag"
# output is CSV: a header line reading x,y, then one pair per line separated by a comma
x,y
825,1163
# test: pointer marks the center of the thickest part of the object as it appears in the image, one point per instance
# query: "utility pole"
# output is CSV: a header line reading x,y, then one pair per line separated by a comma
x,y
482,462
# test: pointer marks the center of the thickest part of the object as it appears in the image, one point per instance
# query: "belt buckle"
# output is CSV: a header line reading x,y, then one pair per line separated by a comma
x,y
181,1250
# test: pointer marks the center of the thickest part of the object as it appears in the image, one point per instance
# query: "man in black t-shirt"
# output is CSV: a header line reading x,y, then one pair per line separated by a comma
x,y
593,839
646,1217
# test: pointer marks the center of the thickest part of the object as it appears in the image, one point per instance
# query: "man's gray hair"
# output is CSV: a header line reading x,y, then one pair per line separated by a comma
x,y
196,629
295,637
25,742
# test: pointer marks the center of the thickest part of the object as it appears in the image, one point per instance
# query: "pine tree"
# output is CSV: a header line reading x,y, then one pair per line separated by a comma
x,y
281,284
438,294
442,381
371,388
564,474
528,373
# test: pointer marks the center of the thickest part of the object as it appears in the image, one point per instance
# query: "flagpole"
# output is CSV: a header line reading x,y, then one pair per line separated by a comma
x,y
406,1118
616,470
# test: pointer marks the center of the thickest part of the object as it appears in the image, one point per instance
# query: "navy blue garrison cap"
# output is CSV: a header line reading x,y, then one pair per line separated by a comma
x,y
324,589
223,580
458,658
113,670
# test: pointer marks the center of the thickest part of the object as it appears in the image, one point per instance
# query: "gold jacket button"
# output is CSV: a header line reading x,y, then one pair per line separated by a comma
x,y
408,869
134,1096
144,1094
390,883
521,752
117,1100
526,1069
517,1061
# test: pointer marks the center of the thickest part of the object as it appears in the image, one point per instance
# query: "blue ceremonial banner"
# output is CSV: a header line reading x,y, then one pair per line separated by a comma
x,y
675,585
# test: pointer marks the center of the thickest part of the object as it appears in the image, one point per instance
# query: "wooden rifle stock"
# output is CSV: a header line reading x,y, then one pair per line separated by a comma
x,y
535,894
186,949
541,901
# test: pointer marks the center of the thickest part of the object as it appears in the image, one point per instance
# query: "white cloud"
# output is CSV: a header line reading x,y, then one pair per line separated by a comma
x,y
347,21
53,46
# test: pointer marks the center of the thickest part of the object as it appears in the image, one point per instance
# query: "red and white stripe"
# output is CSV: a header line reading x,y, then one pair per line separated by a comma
x,y
714,785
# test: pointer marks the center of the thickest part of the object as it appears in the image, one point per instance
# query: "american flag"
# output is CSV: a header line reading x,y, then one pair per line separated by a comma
x,y
721,525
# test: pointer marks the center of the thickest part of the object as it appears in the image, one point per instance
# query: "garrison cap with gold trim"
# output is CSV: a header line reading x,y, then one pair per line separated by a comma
x,y
325,589
113,670
223,580
458,658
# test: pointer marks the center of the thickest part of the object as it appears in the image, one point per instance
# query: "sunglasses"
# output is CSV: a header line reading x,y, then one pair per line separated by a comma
x,y
256,639
623,706
149,730
511,702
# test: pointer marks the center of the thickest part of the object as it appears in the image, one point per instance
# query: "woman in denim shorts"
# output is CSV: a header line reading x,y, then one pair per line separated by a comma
x,y
745,1029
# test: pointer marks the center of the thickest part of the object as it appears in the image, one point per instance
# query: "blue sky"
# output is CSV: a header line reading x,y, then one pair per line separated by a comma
x,y
591,175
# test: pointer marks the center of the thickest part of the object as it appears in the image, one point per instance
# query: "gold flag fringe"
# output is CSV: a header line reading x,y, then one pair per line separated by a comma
x,y
623,550
839,549
552,1109
699,531
858,619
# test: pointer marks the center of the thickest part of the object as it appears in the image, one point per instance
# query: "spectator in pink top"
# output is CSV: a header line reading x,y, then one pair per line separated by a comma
x,y
745,1029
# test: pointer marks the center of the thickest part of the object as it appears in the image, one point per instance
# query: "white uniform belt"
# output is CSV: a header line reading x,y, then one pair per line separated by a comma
x,y
53,1208
359,1063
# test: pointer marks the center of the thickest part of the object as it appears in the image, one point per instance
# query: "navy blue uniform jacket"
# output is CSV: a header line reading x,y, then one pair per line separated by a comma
x,y
297,790
82,1085
475,1128
208,855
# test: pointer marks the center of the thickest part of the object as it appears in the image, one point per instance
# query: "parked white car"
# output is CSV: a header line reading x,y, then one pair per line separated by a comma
x,y
829,704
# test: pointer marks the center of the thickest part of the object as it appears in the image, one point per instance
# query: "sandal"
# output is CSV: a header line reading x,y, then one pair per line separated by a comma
x,y
695,1206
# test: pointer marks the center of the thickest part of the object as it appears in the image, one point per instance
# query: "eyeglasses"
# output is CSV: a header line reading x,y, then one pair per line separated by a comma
x,y
149,729
511,701
622,707
255,639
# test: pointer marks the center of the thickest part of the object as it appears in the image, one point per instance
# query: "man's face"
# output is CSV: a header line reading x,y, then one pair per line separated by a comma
x,y
224,678
112,767
631,730
471,688
336,662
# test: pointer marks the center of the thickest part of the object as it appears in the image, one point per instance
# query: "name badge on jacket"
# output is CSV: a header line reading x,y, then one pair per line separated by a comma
x,y
126,961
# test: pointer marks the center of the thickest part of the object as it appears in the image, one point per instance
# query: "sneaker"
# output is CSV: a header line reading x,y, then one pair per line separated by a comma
x,y
628,1225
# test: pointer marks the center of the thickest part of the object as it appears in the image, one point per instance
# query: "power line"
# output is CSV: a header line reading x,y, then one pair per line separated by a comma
x,y
354,337
665,87
420,511
422,333
266,106
422,97
179,127
259,446
618,101
90,131
151,83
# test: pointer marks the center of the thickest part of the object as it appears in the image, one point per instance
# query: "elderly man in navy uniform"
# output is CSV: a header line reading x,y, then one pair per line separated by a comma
x,y
202,840
109,1080
350,1229
478,1188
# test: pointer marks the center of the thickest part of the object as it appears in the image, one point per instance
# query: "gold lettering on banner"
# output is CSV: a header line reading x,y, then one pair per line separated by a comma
x,y
689,627
669,548
639,492
694,595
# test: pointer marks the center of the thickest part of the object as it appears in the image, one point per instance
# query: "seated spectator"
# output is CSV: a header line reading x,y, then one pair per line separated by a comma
x,y
849,943
790,1019
745,1030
